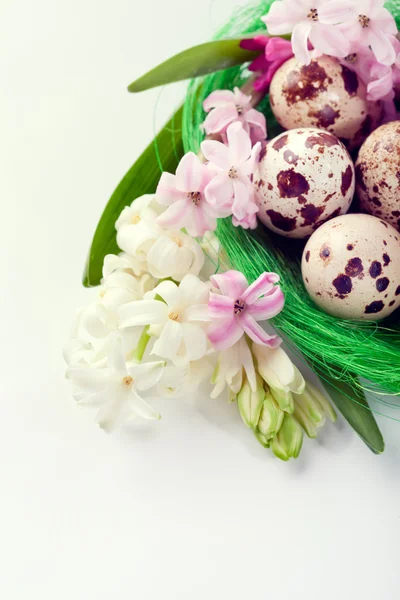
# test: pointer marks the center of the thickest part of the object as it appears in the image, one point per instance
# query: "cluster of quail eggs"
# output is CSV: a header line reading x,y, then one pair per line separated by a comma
x,y
306,181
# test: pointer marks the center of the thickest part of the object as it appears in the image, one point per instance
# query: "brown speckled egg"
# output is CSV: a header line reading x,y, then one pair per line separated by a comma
x,y
304,177
351,267
324,94
378,174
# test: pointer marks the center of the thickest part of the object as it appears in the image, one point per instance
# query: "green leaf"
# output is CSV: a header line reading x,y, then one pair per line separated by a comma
x,y
142,178
199,60
354,407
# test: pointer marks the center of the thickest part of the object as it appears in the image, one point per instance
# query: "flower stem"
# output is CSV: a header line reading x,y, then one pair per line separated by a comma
x,y
140,349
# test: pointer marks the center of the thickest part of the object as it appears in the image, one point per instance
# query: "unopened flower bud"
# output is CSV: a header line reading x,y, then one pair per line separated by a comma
x,y
271,417
250,403
322,401
287,443
284,400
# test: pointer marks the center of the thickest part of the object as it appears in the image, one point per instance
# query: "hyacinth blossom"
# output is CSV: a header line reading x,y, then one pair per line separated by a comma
x,y
225,107
332,25
235,308
233,164
311,21
184,196
116,386
273,53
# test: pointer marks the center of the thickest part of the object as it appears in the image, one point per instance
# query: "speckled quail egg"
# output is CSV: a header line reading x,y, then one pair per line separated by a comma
x,y
304,177
378,174
324,94
351,267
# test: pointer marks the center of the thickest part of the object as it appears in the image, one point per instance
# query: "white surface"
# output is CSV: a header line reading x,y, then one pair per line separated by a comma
x,y
188,508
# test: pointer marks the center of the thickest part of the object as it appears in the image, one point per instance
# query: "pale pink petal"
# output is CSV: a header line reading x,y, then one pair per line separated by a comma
x,y
231,283
257,333
385,21
219,118
329,40
217,153
167,191
381,46
239,144
268,307
188,173
278,48
176,214
243,195
225,333
282,18
218,98
380,88
335,11
201,222
220,307
258,122
300,37
219,191
242,99
261,286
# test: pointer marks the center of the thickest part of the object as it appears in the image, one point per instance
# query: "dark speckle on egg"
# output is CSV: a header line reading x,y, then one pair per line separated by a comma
x,y
375,269
354,267
382,284
386,260
343,284
374,307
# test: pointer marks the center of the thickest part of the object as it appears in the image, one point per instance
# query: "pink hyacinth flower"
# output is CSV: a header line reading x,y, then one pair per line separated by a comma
x,y
372,25
249,221
274,52
183,193
237,308
233,164
313,21
226,107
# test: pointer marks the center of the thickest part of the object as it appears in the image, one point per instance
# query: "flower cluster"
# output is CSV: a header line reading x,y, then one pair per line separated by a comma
x,y
362,33
170,314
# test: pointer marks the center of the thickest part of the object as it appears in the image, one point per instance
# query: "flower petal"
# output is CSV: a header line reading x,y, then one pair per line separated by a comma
x,y
116,360
169,342
188,173
220,307
258,121
335,11
162,258
256,332
140,408
381,46
167,191
195,341
168,291
142,312
219,191
218,98
330,40
217,153
109,414
146,375
267,307
225,333
177,214
92,380
193,290
261,286
281,18
300,37
231,283
243,195
219,118
196,312
239,144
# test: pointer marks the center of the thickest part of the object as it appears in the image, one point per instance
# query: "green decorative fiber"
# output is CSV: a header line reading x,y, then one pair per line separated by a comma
x,y
370,350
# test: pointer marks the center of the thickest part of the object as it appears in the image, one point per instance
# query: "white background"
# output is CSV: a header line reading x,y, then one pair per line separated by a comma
x,y
186,508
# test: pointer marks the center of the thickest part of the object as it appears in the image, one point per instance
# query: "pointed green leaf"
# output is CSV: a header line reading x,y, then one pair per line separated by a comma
x,y
199,60
142,178
354,407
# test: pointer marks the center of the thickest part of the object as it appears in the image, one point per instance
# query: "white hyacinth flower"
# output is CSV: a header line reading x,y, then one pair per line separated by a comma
x,y
177,320
174,254
137,228
116,387
183,381
123,262
232,364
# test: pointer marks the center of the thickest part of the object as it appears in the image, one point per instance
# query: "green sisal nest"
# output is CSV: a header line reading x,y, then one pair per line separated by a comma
x,y
339,349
